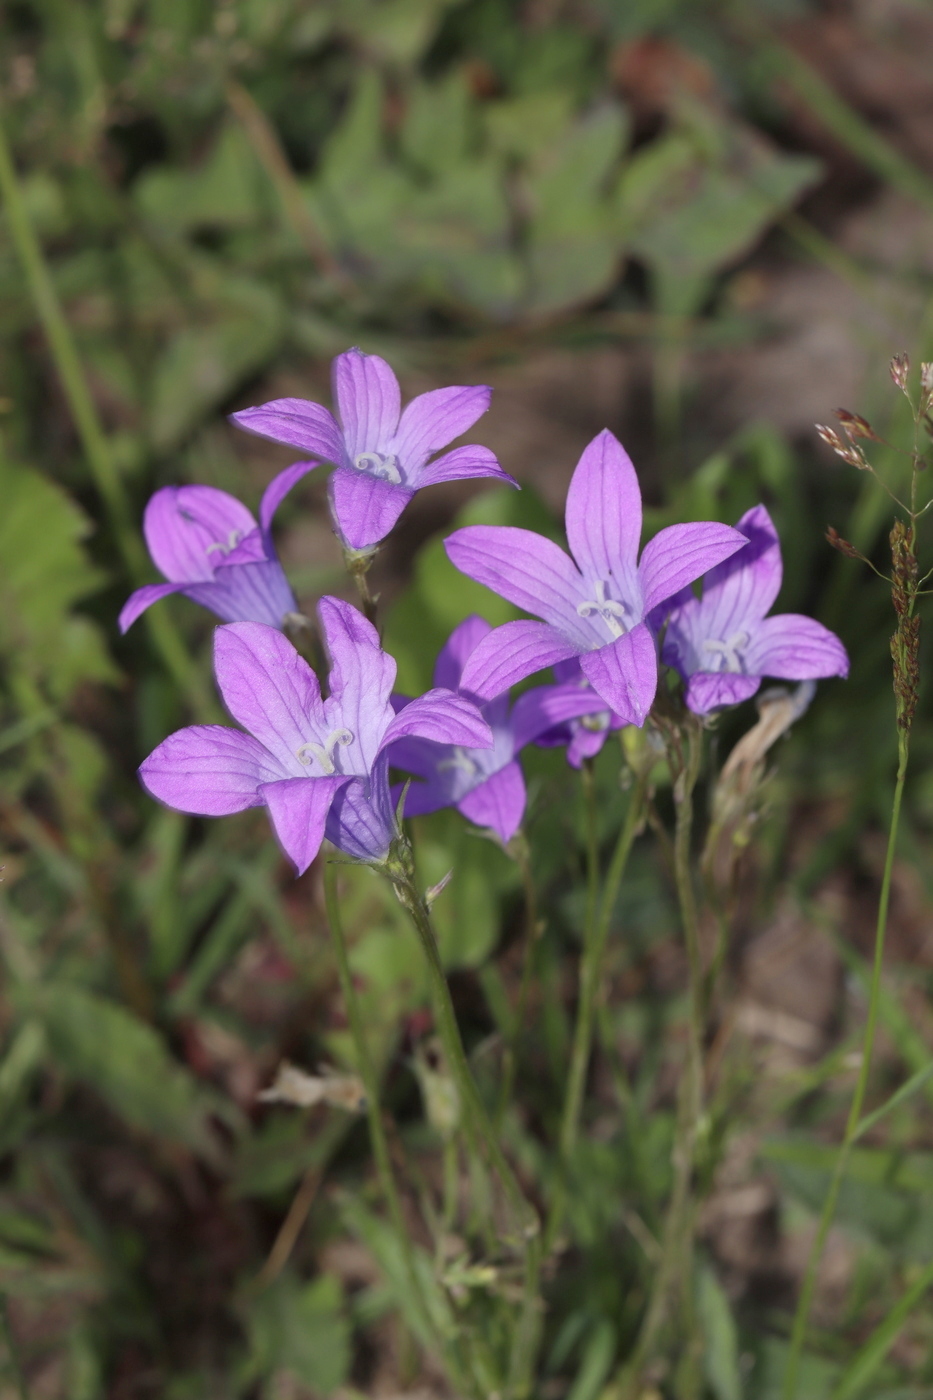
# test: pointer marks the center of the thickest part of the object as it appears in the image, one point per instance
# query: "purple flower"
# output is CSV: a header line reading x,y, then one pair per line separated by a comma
x,y
584,735
210,548
380,453
594,605
723,644
320,767
485,784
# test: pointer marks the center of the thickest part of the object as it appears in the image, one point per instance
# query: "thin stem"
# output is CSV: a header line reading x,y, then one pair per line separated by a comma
x,y
801,1317
518,849
359,562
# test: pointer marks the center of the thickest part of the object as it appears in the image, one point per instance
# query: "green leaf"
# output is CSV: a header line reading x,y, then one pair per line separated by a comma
x,y
721,1355
228,189
596,1362
300,1330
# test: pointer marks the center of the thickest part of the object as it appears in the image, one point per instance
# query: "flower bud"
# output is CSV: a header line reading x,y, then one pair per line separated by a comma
x,y
900,368
855,425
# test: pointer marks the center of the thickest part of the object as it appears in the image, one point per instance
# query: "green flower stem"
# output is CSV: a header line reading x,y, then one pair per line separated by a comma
x,y
93,439
400,870
518,850
805,1301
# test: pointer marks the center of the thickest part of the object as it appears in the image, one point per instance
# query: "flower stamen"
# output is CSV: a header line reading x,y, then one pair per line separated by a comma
x,y
726,653
233,539
462,761
611,611
379,464
324,753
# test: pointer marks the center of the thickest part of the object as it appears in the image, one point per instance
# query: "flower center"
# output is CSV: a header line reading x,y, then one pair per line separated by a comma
x,y
324,753
462,761
608,609
233,539
595,723
379,464
726,653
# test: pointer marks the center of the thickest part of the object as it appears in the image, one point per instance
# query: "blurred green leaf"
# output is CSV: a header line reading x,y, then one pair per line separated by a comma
x,y
299,1330
721,1357
228,189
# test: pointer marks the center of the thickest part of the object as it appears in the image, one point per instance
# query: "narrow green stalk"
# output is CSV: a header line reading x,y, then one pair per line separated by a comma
x,y
518,849
867,1360
359,562
801,1317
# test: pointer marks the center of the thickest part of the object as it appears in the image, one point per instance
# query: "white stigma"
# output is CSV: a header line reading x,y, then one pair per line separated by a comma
x,y
608,609
379,464
727,652
462,761
233,539
324,753
595,723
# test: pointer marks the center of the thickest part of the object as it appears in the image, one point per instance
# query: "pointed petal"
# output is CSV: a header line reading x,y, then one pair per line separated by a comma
x,y
278,489
530,571
434,419
625,674
361,821
742,590
361,676
423,798
509,654
247,593
585,743
418,756
795,648
452,656
708,690
143,598
444,718
298,809
367,395
298,423
183,526
498,803
541,709
463,464
365,507
603,512
209,770
681,553
268,688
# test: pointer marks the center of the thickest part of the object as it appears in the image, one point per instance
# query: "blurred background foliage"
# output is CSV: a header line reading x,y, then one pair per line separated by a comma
x,y
729,206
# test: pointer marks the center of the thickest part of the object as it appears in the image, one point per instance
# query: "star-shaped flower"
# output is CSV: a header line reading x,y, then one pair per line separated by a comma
x,y
320,767
485,784
723,644
594,606
585,734
209,547
381,454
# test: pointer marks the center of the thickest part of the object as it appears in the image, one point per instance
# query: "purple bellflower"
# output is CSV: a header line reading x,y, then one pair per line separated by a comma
x,y
485,784
723,644
584,735
320,767
210,548
381,454
594,606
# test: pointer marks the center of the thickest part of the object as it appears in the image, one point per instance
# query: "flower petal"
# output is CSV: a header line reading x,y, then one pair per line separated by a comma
x,y
548,705
365,507
509,654
603,513
361,677
524,567
277,490
625,674
367,394
681,553
741,591
184,525
298,809
247,593
298,423
361,821
434,419
452,657
499,803
269,689
795,648
444,718
209,770
709,690
143,598
462,464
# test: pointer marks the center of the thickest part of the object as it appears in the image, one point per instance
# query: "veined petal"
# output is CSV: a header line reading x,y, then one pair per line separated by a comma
x,y
462,464
444,718
298,809
452,656
425,797
278,489
681,553
603,512
361,677
298,423
269,689
498,803
367,395
710,690
187,528
625,674
541,709
434,419
209,770
795,648
247,593
509,654
524,567
143,598
741,591
249,550
365,507
361,821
